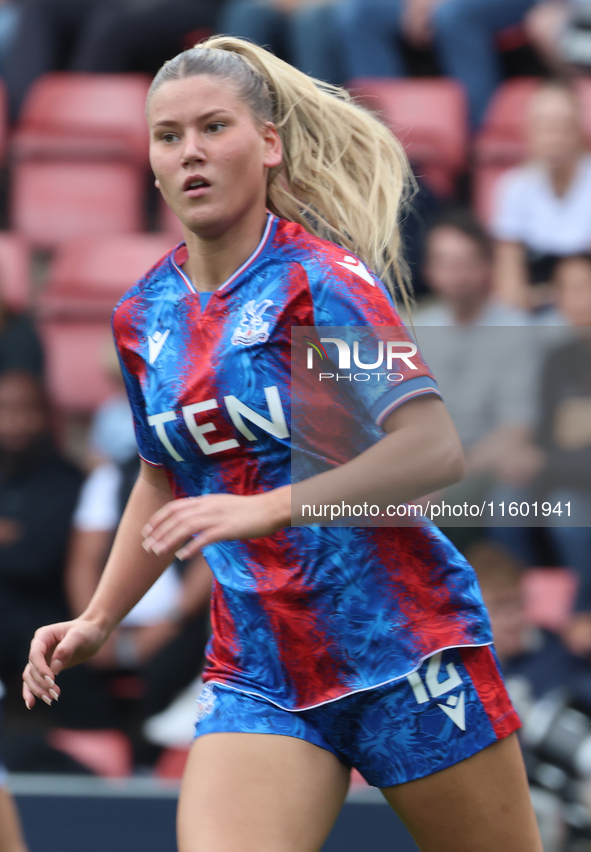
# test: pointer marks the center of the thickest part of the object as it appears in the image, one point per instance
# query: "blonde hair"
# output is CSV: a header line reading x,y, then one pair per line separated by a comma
x,y
344,175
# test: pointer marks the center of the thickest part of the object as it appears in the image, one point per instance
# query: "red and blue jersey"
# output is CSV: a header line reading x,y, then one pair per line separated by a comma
x,y
309,614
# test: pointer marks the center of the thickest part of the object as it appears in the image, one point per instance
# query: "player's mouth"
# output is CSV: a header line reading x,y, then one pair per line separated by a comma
x,y
195,186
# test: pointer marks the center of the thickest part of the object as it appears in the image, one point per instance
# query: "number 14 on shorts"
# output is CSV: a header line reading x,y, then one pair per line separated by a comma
x,y
455,705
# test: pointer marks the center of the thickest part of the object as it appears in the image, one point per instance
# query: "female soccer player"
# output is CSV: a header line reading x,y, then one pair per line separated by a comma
x,y
332,647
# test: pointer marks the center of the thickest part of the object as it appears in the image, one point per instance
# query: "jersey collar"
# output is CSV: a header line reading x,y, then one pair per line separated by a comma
x,y
265,241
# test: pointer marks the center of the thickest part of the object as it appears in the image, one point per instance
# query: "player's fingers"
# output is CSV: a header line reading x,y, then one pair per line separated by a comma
x,y
38,685
176,532
42,646
181,518
45,684
170,509
28,697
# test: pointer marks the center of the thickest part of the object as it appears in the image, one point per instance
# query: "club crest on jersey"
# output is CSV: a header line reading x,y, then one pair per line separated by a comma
x,y
252,327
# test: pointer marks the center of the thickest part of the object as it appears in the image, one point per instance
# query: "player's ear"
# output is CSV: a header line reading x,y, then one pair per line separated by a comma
x,y
157,183
273,148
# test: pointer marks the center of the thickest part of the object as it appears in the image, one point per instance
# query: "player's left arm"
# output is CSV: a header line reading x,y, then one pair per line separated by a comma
x,y
421,453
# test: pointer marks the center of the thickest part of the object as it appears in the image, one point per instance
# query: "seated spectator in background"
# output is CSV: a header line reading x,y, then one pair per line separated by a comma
x,y
543,209
463,32
300,31
99,36
534,661
552,27
163,638
38,494
563,441
112,437
537,667
11,837
141,36
490,402
20,348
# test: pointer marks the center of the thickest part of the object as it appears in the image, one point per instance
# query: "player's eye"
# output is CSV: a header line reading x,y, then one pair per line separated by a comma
x,y
169,137
215,126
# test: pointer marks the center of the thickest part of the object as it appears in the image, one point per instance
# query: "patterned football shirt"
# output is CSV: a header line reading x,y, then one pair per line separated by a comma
x,y
309,614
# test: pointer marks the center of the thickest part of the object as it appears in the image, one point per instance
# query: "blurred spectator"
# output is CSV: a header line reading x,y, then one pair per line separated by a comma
x,y
300,31
38,493
559,30
112,437
11,838
463,32
140,35
543,209
564,439
544,681
99,35
474,358
164,636
20,348
534,661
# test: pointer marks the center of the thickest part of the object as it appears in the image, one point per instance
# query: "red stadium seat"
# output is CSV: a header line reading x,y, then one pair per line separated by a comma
x,y
15,271
89,275
501,141
88,116
107,753
549,594
52,202
429,116
171,763
77,377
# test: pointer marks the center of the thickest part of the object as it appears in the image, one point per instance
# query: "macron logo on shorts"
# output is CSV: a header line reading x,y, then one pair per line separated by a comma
x,y
456,710
354,265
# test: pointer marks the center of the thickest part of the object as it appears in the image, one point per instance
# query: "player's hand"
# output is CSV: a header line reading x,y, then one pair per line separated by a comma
x,y
54,648
215,517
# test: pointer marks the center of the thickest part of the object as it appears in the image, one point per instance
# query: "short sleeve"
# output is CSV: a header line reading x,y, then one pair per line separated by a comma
x,y
347,294
143,431
509,210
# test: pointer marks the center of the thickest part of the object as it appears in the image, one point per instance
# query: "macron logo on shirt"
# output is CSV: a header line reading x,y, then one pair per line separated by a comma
x,y
354,265
155,343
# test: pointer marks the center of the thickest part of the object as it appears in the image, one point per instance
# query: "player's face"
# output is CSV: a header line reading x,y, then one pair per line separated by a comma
x,y
209,153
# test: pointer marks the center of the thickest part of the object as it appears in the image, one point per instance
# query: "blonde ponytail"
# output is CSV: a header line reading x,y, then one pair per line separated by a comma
x,y
344,175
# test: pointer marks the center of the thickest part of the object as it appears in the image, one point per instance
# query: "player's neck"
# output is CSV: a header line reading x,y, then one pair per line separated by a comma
x,y
213,259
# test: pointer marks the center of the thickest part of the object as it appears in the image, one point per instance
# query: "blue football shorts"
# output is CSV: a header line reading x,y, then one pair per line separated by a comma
x,y
452,707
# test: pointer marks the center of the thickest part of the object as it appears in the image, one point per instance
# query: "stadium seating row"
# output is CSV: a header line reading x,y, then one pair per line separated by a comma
x,y
79,155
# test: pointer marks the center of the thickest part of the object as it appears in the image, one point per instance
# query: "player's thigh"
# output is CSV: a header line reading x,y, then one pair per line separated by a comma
x,y
481,804
246,792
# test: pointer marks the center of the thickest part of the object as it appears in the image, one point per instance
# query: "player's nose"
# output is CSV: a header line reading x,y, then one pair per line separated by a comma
x,y
193,150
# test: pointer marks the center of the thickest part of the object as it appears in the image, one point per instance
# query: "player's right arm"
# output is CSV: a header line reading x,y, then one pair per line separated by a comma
x,y
129,573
